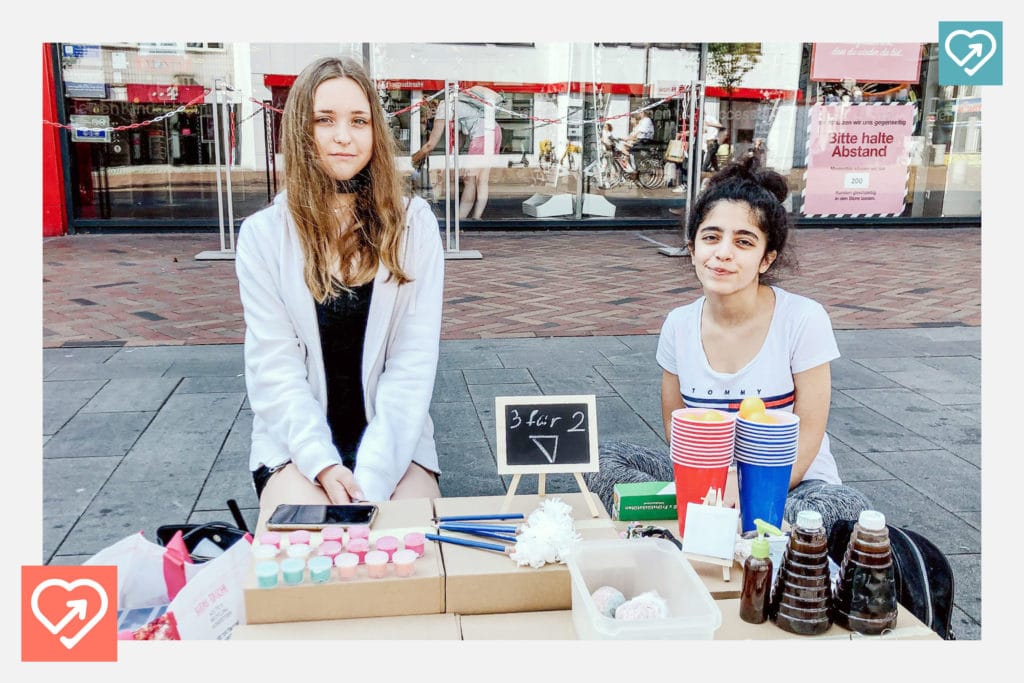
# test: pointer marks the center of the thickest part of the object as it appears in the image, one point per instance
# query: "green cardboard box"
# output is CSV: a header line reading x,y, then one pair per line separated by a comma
x,y
644,500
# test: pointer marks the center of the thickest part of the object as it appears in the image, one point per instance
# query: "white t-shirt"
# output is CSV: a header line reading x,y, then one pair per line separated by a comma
x,y
644,129
799,338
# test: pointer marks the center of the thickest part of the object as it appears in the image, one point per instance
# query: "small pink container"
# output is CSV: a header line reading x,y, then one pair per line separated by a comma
x,y
414,541
299,536
271,538
346,564
404,561
359,546
332,533
358,531
329,549
376,564
388,544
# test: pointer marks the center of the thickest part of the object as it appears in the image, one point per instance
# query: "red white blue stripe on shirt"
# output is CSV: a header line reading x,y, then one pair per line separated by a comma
x,y
732,404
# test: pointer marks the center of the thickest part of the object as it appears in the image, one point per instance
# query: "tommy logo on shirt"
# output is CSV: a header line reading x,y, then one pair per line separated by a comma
x,y
727,399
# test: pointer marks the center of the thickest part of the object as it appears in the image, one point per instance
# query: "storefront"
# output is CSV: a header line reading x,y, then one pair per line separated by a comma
x,y
185,135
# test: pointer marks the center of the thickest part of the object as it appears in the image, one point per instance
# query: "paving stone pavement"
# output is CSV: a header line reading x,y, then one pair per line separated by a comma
x,y
146,422
149,289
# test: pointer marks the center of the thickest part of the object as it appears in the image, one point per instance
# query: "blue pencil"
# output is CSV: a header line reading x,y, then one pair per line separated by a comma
x,y
472,518
465,541
485,534
494,528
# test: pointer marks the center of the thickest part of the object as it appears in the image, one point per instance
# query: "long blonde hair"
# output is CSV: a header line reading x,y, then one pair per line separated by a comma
x,y
379,207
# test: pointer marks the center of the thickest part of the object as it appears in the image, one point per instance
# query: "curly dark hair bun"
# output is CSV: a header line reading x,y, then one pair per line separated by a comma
x,y
750,168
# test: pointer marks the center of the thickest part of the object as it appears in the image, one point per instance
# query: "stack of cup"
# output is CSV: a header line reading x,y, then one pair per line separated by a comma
x,y
765,453
701,445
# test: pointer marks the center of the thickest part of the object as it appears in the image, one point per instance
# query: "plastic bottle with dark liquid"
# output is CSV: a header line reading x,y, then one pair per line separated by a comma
x,y
801,599
757,582
865,596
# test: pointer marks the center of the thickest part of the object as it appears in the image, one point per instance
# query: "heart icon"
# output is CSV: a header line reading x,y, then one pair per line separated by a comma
x,y
76,608
974,49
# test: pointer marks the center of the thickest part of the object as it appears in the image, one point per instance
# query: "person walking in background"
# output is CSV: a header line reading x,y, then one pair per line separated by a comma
x,y
470,109
758,152
724,152
744,337
711,134
341,285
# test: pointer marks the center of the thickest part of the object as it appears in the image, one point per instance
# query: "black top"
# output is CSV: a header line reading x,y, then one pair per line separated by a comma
x,y
342,323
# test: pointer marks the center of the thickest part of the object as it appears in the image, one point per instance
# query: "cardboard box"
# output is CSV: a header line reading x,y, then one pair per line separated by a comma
x,y
422,593
644,500
486,582
415,627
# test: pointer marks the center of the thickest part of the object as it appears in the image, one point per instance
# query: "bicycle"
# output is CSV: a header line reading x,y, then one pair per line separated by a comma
x,y
640,165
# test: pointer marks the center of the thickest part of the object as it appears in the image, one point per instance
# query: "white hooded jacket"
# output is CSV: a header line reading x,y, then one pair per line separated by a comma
x,y
284,368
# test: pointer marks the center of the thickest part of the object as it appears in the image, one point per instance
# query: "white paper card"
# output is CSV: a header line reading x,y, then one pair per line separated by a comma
x,y
710,530
670,489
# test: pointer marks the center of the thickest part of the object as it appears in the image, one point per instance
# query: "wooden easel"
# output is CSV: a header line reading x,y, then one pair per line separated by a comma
x,y
587,495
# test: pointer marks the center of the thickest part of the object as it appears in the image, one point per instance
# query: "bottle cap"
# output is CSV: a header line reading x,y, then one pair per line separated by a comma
x,y
766,529
808,519
871,520
759,547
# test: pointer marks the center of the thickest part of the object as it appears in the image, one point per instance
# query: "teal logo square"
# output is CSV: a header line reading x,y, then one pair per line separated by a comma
x,y
970,53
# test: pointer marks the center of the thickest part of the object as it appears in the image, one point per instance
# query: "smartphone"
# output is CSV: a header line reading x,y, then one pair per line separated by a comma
x,y
288,516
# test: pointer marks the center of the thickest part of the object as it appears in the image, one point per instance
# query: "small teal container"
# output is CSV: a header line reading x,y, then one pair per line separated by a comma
x,y
293,569
320,569
266,574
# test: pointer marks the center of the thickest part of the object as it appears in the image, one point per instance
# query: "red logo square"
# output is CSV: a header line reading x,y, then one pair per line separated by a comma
x,y
69,614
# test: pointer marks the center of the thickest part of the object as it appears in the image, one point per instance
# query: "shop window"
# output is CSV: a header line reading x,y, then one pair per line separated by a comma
x,y
397,101
517,128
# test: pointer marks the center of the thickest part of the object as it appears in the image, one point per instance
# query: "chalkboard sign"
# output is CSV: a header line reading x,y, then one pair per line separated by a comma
x,y
542,434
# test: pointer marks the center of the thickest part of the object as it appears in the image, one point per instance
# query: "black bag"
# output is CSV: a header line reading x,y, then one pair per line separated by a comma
x,y
924,579
221,534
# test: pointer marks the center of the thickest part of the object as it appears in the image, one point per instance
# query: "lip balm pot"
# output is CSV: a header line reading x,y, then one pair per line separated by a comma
x,y
346,564
376,564
293,568
404,561
320,569
266,574
414,541
359,546
387,544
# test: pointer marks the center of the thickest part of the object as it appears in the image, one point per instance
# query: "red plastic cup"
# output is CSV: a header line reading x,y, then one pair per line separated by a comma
x,y
692,484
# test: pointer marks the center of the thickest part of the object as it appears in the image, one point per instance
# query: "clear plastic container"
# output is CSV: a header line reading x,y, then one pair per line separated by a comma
x,y
635,566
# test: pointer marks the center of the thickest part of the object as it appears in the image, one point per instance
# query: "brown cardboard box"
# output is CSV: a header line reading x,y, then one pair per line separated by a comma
x,y
908,627
422,593
486,582
415,627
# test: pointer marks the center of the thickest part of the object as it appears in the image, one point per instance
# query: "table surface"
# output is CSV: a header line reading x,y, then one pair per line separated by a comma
x,y
557,624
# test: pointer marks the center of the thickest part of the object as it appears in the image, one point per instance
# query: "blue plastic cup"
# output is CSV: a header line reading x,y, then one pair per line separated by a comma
x,y
763,491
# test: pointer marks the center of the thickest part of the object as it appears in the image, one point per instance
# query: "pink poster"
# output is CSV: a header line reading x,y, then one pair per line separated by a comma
x,y
885,62
857,159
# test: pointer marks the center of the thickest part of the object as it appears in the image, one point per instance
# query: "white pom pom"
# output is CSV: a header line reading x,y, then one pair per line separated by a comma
x,y
548,535
645,606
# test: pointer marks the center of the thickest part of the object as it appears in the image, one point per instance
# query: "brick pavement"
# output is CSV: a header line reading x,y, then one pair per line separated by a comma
x,y
148,289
